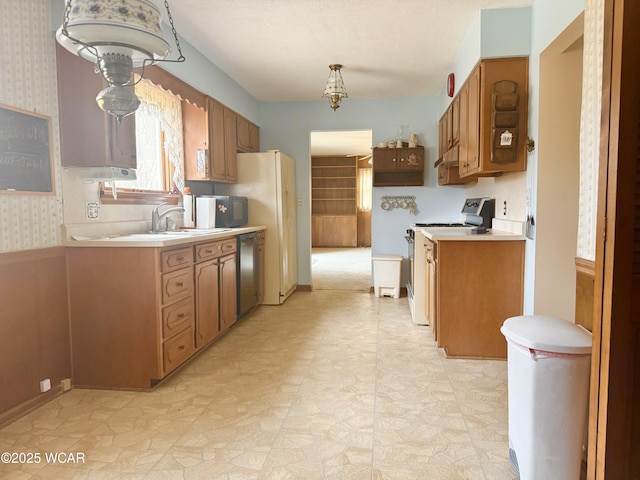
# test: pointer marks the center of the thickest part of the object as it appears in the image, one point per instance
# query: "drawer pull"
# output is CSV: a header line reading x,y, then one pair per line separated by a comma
x,y
180,259
209,251
181,315
179,284
182,347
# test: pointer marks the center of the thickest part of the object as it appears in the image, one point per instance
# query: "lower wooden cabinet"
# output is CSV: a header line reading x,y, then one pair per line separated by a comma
x,y
137,313
478,285
215,285
207,305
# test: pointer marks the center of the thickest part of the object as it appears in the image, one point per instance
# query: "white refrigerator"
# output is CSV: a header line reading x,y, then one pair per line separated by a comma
x,y
268,180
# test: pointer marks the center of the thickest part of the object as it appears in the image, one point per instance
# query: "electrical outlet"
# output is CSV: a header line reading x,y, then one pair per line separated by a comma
x,y
45,385
65,384
299,202
93,210
504,208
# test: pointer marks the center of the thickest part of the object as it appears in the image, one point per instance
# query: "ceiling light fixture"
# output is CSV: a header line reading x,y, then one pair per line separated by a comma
x,y
335,90
117,36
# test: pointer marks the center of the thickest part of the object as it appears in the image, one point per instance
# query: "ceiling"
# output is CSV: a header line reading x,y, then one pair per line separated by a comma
x,y
280,50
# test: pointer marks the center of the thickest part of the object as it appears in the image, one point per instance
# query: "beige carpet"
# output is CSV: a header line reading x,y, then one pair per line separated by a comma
x,y
341,269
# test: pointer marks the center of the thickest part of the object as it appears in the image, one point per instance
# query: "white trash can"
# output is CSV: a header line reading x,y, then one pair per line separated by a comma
x,y
386,275
548,363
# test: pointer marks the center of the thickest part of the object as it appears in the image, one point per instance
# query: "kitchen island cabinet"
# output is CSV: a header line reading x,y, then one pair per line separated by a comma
x,y
472,286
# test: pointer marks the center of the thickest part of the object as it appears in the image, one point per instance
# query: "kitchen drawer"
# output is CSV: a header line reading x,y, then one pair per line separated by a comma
x,y
177,349
210,250
174,259
176,285
177,316
228,246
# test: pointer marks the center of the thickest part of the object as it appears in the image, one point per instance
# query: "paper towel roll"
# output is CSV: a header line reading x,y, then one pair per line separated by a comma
x,y
187,204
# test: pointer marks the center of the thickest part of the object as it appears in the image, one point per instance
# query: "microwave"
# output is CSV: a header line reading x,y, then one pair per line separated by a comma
x,y
231,211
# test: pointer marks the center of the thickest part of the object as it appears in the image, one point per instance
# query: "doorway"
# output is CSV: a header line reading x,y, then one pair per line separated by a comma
x,y
558,174
341,209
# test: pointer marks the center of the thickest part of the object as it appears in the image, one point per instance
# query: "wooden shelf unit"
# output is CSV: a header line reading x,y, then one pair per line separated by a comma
x,y
334,201
334,187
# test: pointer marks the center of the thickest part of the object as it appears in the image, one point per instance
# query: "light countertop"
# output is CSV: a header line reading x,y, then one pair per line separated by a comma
x,y
159,240
464,234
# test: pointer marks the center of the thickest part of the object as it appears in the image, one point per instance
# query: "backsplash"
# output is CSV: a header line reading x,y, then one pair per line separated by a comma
x,y
28,82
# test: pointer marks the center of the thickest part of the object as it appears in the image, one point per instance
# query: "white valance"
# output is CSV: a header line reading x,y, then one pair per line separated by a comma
x,y
167,108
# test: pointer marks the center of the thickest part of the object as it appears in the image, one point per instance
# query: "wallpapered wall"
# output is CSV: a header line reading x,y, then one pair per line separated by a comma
x,y
590,126
28,81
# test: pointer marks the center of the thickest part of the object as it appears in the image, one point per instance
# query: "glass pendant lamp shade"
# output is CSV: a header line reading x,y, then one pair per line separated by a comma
x,y
117,36
335,90
118,101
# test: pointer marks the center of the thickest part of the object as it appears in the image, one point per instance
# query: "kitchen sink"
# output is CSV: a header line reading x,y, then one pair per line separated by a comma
x,y
207,231
139,237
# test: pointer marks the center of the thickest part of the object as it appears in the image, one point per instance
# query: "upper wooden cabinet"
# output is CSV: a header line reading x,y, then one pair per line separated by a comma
x,y
89,137
398,166
247,135
486,122
195,138
211,141
230,145
495,136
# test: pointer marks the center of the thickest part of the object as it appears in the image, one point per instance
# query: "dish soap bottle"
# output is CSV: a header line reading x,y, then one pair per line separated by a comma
x,y
187,204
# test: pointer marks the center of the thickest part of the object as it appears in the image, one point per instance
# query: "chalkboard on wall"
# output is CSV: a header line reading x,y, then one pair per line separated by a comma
x,y
26,162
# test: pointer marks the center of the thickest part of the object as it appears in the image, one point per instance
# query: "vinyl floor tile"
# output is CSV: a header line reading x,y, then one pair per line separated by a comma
x,y
330,385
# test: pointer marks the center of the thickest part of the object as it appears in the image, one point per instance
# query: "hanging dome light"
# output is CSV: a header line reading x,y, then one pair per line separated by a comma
x,y
117,37
335,90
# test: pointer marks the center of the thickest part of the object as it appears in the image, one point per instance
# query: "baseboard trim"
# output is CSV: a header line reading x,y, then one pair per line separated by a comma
x,y
9,416
304,288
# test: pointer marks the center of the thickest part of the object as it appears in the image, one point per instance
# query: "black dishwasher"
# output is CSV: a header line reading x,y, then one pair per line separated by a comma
x,y
247,272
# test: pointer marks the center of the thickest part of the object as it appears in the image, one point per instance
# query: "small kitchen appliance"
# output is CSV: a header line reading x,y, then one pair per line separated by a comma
x,y
231,211
205,211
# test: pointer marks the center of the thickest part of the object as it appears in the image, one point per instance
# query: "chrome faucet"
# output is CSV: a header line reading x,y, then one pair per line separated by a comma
x,y
156,216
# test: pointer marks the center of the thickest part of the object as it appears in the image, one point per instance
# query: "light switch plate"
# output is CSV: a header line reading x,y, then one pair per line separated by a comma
x,y
93,210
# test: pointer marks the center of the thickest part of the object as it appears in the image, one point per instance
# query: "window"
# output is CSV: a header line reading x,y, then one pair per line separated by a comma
x,y
364,189
159,152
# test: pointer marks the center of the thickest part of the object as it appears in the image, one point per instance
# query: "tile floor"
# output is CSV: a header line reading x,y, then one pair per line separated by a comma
x,y
330,385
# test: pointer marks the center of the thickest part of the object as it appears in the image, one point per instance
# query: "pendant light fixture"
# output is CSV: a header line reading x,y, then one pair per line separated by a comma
x,y
117,36
335,90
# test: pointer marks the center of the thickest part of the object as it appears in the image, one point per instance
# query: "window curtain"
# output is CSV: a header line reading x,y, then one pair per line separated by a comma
x,y
160,111
364,189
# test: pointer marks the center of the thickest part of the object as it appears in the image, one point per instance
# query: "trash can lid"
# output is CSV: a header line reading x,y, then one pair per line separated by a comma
x,y
382,257
547,333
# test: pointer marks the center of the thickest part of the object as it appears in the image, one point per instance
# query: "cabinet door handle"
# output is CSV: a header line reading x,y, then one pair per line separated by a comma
x,y
402,159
